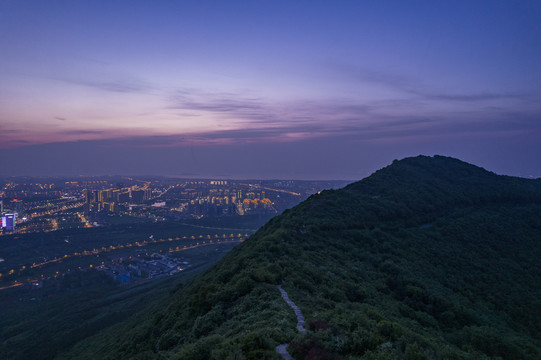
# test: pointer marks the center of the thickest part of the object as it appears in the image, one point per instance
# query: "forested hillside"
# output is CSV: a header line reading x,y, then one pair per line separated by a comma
x,y
428,258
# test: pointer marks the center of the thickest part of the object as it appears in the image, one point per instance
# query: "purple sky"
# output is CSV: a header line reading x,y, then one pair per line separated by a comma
x,y
267,89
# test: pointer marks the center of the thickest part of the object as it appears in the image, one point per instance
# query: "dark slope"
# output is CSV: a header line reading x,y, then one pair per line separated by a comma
x,y
428,258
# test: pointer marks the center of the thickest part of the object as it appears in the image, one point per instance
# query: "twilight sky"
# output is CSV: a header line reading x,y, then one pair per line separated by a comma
x,y
267,89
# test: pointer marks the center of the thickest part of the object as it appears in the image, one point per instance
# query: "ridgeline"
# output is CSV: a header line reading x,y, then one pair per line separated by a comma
x,y
428,258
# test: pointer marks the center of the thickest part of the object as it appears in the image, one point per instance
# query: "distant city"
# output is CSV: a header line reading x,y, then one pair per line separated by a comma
x,y
131,229
41,205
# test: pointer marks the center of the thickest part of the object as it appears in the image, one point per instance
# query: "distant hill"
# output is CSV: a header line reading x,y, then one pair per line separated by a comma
x,y
428,258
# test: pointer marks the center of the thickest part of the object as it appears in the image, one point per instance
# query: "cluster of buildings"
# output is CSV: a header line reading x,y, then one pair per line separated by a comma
x,y
158,265
98,200
47,204
216,201
30,189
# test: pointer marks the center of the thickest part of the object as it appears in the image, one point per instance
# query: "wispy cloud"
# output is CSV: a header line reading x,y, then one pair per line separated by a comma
x,y
411,86
215,102
235,107
473,97
83,132
355,73
114,84
396,117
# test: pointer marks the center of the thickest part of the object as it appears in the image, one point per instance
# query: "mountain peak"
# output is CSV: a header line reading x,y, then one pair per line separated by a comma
x,y
439,181
434,167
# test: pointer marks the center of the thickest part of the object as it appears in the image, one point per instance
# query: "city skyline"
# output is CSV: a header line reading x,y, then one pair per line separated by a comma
x,y
303,90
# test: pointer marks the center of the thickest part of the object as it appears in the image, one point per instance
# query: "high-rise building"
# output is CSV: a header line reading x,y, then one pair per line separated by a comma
x,y
88,196
148,194
123,197
9,221
102,196
116,194
108,206
218,182
105,195
138,196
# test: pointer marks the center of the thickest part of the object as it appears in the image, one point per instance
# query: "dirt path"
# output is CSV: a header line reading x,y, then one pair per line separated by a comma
x,y
282,348
298,312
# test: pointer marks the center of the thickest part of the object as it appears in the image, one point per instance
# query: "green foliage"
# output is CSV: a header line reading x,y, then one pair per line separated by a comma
x,y
429,258
200,350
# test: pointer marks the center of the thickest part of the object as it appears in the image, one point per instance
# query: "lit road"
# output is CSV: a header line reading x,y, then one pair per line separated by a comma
x,y
84,220
52,211
91,266
216,239
271,189
165,192
203,240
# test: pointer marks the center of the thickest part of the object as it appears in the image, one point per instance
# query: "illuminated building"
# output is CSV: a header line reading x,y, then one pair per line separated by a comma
x,y
88,196
105,195
123,197
218,182
8,222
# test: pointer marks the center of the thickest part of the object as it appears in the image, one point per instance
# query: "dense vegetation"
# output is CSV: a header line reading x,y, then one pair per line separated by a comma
x,y
428,258
39,323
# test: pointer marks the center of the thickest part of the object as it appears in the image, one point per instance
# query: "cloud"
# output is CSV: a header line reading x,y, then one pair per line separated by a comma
x,y
83,132
233,105
373,131
10,131
217,103
242,117
10,143
250,111
465,97
412,86
240,136
360,74
393,118
118,85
